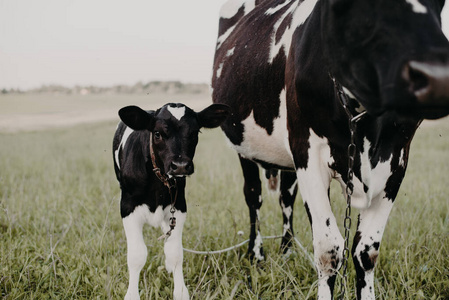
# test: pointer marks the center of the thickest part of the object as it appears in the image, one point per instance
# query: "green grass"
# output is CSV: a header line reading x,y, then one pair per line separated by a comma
x,y
62,237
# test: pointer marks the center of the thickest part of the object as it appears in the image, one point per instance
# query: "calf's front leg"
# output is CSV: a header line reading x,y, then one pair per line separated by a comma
x,y
174,253
137,250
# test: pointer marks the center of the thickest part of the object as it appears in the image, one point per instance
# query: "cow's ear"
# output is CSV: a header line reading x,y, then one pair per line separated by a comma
x,y
136,118
213,115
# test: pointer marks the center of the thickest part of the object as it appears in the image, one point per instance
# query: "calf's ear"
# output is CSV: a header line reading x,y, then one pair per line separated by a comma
x,y
213,116
135,117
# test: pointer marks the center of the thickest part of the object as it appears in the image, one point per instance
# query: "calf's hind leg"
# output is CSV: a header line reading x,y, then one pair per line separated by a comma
x,y
252,190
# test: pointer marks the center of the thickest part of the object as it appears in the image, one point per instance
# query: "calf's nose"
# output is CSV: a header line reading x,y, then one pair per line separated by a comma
x,y
181,168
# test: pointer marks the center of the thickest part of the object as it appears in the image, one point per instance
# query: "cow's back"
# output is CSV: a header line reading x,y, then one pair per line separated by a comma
x,y
249,76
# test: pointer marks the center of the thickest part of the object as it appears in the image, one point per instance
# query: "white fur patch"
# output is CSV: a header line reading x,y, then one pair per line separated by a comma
x,y
177,112
287,211
273,10
220,68
274,148
402,159
301,12
258,246
224,36
292,188
231,7
375,178
417,7
230,52
125,137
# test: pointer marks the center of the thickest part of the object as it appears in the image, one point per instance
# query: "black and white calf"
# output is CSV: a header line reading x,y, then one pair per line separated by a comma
x,y
275,66
153,152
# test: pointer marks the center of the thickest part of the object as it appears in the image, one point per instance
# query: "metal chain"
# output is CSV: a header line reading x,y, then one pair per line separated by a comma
x,y
349,191
343,97
172,223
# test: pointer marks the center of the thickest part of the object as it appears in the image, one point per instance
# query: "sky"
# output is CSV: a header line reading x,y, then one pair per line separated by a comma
x,y
108,42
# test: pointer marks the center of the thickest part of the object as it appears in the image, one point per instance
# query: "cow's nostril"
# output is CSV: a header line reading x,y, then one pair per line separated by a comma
x,y
418,80
173,166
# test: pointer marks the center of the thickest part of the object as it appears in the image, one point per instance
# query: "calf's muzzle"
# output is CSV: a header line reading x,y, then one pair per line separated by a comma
x,y
180,168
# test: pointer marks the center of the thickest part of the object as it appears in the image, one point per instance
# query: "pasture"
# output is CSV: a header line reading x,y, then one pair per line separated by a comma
x,y
62,237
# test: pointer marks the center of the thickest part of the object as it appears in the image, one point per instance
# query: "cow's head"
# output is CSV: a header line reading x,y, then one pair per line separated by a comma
x,y
391,54
174,129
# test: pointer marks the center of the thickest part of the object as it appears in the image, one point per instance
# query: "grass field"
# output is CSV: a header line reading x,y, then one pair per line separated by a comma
x,y
62,237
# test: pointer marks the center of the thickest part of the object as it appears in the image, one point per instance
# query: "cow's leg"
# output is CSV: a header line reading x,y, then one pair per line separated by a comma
x,y
174,253
314,182
289,189
327,240
365,247
137,250
252,190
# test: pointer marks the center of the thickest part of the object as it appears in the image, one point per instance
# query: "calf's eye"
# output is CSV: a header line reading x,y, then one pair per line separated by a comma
x,y
157,135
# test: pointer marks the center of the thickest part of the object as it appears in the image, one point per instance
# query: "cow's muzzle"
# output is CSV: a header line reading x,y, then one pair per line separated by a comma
x,y
180,168
429,83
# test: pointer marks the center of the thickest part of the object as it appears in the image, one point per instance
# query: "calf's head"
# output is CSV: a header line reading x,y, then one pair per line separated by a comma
x,y
391,54
174,132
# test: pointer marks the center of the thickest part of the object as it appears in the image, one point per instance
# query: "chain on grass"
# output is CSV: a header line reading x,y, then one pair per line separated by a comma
x,y
303,249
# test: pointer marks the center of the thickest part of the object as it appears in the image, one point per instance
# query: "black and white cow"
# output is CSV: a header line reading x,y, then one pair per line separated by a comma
x,y
153,152
275,65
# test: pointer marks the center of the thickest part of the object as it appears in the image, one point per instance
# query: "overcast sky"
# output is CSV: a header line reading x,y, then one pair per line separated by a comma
x,y
106,42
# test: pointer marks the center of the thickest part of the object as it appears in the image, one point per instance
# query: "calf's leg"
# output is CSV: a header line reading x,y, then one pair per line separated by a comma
x,y
252,190
174,253
137,250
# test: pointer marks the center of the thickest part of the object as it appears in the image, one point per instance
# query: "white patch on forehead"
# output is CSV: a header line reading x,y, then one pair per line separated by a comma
x,y
301,12
177,112
417,7
125,137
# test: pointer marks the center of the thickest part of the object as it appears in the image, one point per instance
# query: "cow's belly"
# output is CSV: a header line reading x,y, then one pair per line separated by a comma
x,y
260,146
